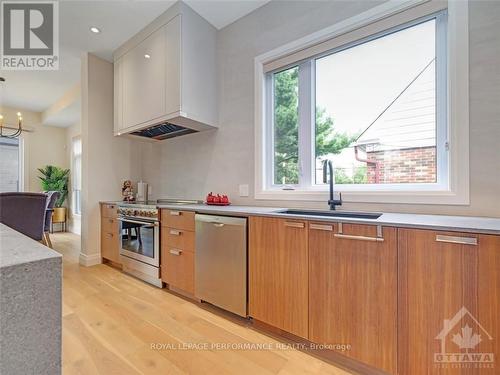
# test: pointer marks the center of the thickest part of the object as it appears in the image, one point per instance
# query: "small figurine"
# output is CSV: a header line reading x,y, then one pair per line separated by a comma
x,y
128,191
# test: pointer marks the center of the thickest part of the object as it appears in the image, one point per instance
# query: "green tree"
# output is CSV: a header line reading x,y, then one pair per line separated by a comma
x,y
359,176
286,125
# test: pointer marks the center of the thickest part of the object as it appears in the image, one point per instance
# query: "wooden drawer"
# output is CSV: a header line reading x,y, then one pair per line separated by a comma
x,y
177,268
177,219
110,246
109,225
178,238
109,210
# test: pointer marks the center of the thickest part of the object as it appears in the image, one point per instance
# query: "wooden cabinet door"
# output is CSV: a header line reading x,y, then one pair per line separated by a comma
x,y
353,291
110,242
177,259
143,87
278,273
437,279
489,298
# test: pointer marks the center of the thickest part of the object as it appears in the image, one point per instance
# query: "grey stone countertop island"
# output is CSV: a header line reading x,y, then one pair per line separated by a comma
x,y
30,306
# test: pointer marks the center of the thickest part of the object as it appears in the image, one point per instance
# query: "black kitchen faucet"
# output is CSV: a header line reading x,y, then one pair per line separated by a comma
x,y
328,169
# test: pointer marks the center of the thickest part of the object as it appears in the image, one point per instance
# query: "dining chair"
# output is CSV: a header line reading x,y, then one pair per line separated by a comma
x,y
52,197
24,212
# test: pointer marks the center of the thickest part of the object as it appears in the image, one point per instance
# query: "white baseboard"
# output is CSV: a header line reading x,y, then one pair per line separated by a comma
x,y
90,260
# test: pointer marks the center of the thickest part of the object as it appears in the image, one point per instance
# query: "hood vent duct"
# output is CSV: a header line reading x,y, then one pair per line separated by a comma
x,y
162,131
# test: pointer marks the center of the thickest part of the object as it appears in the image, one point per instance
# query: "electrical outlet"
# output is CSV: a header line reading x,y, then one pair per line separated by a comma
x,y
243,190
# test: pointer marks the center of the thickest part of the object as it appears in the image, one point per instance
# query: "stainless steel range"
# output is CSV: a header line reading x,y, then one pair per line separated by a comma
x,y
139,233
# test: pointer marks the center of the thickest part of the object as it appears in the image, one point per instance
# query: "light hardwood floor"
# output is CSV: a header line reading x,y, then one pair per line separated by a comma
x,y
111,321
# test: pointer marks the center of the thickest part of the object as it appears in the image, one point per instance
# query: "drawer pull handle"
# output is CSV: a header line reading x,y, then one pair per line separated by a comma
x,y
328,228
110,234
293,224
175,213
111,221
174,232
341,235
175,252
458,240
360,238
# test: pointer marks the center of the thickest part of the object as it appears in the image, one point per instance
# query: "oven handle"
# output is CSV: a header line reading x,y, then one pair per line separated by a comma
x,y
139,222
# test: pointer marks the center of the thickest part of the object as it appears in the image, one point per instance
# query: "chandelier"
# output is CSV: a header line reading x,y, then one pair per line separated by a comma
x,y
12,132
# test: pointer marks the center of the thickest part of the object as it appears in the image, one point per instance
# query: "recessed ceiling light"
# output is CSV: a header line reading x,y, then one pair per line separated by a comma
x,y
95,30
147,56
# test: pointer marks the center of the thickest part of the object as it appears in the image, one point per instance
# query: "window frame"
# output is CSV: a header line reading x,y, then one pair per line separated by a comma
x,y
452,183
20,166
74,195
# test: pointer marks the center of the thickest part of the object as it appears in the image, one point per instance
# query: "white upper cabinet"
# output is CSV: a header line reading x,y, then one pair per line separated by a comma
x,y
143,80
166,73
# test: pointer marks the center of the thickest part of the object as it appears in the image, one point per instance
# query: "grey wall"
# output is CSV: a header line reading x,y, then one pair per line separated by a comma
x,y
219,161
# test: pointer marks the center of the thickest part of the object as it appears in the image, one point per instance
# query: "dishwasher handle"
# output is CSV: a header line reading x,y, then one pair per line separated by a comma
x,y
220,221
216,224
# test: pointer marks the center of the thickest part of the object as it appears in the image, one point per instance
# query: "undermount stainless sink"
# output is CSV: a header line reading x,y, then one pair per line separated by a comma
x,y
344,214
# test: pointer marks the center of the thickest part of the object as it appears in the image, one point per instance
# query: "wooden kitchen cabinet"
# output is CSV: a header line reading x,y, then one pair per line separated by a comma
x,y
353,291
453,279
488,292
110,242
278,273
177,219
177,250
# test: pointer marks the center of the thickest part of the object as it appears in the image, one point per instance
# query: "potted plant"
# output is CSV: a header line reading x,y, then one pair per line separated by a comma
x,y
56,179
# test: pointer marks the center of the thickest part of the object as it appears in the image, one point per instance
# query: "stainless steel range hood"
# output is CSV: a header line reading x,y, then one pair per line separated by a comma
x,y
163,131
171,128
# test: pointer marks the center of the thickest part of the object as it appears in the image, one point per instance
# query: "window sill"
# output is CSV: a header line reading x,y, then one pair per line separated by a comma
x,y
396,197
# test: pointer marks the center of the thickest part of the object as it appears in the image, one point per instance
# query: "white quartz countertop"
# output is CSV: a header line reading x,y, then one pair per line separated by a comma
x,y
16,249
439,222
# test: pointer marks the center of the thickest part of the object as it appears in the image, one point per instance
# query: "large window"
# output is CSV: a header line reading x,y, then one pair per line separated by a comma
x,y
375,107
10,165
76,181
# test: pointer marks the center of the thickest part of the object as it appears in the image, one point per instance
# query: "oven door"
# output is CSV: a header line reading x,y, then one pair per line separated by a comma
x,y
140,240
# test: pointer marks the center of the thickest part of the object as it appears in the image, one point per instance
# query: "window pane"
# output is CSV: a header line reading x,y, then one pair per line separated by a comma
x,y
286,126
9,165
376,109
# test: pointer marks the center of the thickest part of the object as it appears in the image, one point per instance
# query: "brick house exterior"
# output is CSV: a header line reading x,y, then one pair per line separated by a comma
x,y
410,165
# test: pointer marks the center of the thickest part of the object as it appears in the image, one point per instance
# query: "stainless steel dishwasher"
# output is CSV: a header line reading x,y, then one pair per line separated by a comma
x,y
221,262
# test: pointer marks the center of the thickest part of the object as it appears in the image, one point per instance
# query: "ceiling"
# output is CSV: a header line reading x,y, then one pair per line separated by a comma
x,y
118,20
